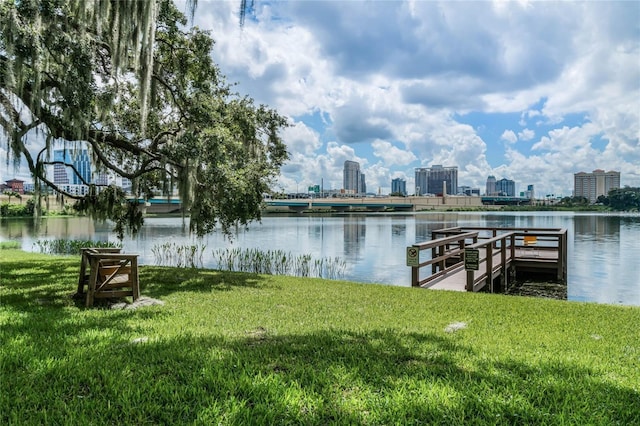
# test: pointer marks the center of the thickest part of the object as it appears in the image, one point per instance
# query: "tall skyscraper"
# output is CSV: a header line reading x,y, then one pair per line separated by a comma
x,y
65,177
491,186
81,162
432,180
592,185
506,187
353,179
399,186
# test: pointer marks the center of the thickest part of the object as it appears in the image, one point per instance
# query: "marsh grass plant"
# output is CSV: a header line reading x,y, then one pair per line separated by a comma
x,y
237,348
70,247
178,255
9,245
278,262
254,260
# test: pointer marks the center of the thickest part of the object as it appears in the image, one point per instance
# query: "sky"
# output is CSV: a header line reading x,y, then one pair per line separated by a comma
x,y
524,90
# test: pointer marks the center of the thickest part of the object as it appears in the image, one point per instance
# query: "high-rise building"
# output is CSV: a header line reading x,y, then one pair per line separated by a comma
x,y
506,187
491,186
399,186
592,185
65,177
530,194
363,184
353,179
80,160
436,179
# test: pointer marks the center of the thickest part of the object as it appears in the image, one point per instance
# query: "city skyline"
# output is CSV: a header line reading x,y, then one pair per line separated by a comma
x,y
530,91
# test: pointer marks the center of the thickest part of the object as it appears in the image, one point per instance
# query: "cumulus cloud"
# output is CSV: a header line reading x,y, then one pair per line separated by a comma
x,y
526,135
397,71
301,139
392,155
509,136
383,82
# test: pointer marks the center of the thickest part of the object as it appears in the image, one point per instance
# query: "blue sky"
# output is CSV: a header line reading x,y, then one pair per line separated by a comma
x,y
529,91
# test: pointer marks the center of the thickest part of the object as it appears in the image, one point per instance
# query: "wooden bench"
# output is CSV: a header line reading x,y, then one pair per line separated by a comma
x,y
107,273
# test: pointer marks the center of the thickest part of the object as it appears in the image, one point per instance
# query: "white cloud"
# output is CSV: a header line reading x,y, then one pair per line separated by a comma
x,y
392,155
301,139
526,135
382,82
509,136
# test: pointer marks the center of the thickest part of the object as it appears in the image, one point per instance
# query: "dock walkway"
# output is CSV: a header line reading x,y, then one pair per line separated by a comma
x,y
503,251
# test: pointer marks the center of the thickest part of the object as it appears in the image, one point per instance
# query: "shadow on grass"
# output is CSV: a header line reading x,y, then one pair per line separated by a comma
x,y
29,282
157,281
325,377
53,282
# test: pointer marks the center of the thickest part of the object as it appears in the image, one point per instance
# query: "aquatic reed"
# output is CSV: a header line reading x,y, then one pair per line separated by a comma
x,y
179,255
277,262
9,245
70,247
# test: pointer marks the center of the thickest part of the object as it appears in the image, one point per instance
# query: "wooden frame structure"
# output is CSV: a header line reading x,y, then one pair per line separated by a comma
x,y
107,273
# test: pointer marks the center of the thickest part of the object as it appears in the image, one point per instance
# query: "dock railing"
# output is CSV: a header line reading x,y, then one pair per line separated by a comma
x,y
502,243
445,256
513,245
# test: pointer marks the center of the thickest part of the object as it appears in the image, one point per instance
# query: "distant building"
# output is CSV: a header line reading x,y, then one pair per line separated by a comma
x,y
435,179
15,185
65,177
592,185
530,193
491,186
399,186
81,162
468,191
506,187
353,178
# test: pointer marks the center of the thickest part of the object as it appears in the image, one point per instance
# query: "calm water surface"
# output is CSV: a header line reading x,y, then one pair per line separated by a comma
x,y
604,249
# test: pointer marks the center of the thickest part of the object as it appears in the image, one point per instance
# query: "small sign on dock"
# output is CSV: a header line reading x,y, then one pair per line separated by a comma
x,y
471,259
413,256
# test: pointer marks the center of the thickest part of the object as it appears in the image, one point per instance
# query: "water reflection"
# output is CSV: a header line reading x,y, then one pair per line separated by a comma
x,y
354,235
595,228
30,230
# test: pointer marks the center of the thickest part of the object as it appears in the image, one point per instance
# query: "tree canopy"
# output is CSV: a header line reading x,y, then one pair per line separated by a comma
x,y
130,82
623,199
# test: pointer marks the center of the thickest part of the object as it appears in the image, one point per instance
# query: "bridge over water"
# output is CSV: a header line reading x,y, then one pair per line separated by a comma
x,y
343,204
373,203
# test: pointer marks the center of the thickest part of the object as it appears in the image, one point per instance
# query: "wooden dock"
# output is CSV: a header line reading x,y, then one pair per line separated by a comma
x,y
494,257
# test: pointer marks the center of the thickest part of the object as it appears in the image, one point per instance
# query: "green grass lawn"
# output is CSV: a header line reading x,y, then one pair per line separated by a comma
x,y
233,348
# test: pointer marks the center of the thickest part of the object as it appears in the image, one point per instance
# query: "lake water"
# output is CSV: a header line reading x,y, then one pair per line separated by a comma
x,y
604,249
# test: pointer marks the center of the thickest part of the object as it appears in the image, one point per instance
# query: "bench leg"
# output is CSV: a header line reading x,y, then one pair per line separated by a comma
x,y
93,279
135,282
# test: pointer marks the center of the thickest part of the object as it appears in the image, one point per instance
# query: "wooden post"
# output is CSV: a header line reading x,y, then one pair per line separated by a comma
x,y
82,276
415,276
443,263
503,267
562,257
93,279
512,257
489,263
512,246
434,266
135,281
